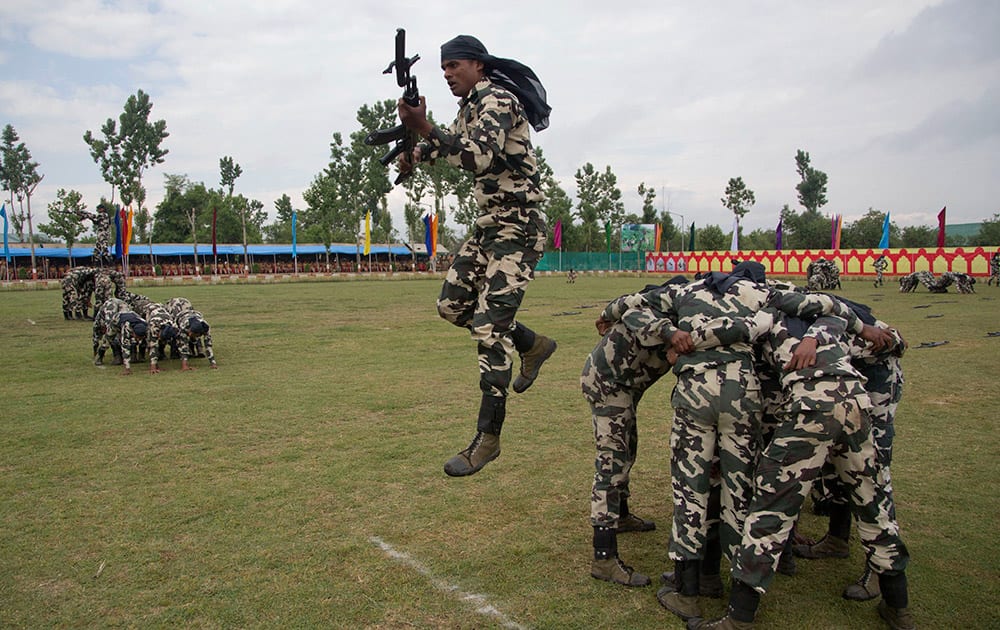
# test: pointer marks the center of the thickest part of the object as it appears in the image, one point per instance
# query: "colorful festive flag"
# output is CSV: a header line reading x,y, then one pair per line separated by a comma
x,y
215,247
734,242
778,235
6,247
368,232
691,243
557,235
430,233
940,240
659,236
295,218
128,230
607,234
118,234
884,243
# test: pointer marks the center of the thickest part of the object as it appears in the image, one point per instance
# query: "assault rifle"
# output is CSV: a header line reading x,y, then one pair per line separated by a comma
x,y
404,138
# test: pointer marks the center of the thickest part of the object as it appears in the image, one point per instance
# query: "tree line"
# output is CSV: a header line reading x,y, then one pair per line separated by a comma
x,y
354,183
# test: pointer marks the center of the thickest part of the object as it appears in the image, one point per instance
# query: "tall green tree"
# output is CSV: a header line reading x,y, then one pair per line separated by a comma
x,y
126,150
371,184
185,213
739,199
712,238
808,230
915,236
229,172
599,203
557,207
328,200
64,219
866,232
21,176
648,196
989,232
281,230
812,185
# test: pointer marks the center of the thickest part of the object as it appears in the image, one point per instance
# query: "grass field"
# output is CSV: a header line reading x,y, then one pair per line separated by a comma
x,y
301,484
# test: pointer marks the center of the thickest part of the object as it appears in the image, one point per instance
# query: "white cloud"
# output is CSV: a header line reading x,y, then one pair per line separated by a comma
x,y
677,95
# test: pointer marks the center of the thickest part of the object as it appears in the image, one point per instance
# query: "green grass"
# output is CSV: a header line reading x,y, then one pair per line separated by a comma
x,y
258,495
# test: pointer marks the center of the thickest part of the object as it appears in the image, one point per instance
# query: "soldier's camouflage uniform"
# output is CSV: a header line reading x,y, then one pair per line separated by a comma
x,y
994,269
186,340
716,401
158,318
822,274
615,376
883,372
880,264
825,417
485,284
177,305
102,231
140,303
77,287
963,281
113,327
108,283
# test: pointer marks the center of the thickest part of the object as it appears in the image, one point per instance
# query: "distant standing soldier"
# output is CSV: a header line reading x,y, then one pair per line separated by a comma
x,y
994,269
881,264
101,221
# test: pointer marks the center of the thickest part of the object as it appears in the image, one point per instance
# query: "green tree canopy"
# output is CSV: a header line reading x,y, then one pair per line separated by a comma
x,y
812,185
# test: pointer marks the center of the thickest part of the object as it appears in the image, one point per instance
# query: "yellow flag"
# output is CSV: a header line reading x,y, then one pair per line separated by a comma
x,y
368,232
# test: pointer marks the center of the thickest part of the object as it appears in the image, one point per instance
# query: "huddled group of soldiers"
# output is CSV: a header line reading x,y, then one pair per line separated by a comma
x,y
136,326
822,275
781,393
962,281
131,324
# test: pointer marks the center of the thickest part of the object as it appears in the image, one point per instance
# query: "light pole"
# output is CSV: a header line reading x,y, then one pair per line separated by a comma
x,y
678,214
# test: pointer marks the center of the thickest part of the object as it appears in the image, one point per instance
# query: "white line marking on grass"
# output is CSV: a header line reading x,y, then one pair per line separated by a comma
x,y
481,604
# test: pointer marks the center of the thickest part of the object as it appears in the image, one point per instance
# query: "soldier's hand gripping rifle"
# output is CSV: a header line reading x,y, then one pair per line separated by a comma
x,y
404,138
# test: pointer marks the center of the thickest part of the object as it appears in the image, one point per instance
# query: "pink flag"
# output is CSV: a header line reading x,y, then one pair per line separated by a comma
x,y
557,235
940,240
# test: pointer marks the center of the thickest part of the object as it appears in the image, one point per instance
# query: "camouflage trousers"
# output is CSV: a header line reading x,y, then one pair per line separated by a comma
x,y
72,301
485,285
101,254
716,413
838,432
615,376
882,414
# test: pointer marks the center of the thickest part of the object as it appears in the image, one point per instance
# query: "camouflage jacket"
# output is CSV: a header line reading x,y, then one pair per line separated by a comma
x,y
833,360
177,305
656,315
157,317
491,138
185,337
883,369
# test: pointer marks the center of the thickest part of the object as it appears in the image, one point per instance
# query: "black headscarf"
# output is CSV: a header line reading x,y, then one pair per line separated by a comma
x,y
720,282
512,75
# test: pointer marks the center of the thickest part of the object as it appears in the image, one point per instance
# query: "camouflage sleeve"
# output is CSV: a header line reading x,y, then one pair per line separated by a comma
x,y
208,348
647,326
125,339
861,348
722,331
809,305
485,140
616,309
827,330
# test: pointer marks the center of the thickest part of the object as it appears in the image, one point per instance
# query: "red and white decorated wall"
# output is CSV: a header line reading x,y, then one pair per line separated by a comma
x,y
853,262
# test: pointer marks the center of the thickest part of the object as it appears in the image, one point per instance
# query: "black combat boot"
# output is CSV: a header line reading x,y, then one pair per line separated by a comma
x,y
606,564
485,446
743,604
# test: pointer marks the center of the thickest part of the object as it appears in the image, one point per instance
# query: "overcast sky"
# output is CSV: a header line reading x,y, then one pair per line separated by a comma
x,y
898,104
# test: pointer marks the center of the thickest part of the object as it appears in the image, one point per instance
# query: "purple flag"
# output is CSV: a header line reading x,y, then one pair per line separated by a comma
x,y
777,236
